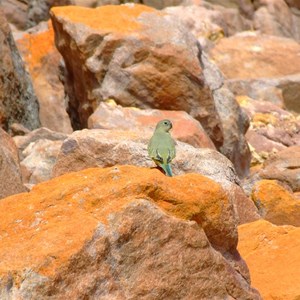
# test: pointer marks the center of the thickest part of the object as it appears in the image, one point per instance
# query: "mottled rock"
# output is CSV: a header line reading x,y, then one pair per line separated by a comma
x,y
105,148
133,62
125,247
284,166
253,56
42,60
234,121
109,115
273,17
276,204
261,67
15,12
273,256
10,173
18,103
272,128
42,133
148,60
39,159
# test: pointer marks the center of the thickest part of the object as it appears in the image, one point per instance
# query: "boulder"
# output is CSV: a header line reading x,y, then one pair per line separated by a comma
x,y
10,173
38,151
273,256
147,60
15,12
272,128
18,103
42,60
275,203
142,234
105,148
260,66
274,17
284,166
109,115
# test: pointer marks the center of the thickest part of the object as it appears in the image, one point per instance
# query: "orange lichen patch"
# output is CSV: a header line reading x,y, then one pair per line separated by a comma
x,y
272,254
109,18
278,205
35,47
42,229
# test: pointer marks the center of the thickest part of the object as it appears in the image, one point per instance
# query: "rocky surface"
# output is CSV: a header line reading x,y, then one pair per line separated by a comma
x,y
10,172
168,65
112,255
18,103
42,60
275,203
89,148
233,97
109,115
253,68
272,254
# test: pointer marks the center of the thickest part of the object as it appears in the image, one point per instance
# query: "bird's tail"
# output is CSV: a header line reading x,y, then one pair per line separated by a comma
x,y
167,169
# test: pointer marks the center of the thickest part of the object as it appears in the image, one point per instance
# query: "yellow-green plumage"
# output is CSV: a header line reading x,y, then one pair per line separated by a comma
x,y
161,147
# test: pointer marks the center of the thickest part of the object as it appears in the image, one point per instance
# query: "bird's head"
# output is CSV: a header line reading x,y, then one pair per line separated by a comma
x,y
164,125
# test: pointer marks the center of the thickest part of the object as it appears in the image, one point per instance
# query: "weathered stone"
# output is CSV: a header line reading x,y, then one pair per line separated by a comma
x,y
15,12
39,159
42,60
10,174
109,115
105,148
284,166
42,133
117,63
125,246
147,59
252,56
273,17
18,102
275,203
273,256
253,68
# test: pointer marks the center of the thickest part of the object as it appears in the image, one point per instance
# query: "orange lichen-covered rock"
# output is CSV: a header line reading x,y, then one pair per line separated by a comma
x,y
52,237
273,256
275,203
42,60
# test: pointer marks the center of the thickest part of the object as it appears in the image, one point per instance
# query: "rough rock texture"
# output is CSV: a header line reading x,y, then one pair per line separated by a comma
x,y
109,115
252,56
209,21
274,17
275,203
262,67
146,59
28,13
284,166
272,129
10,174
38,151
273,256
15,12
105,148
39,158
126,247
42,60
18,102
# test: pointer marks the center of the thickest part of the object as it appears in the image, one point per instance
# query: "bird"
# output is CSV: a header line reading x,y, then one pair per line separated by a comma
x,y
161,147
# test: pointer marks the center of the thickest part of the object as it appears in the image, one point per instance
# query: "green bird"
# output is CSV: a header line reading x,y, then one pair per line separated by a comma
x,y
161,147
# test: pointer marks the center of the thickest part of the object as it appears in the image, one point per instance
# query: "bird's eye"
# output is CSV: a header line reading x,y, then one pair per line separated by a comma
x,y
166,123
